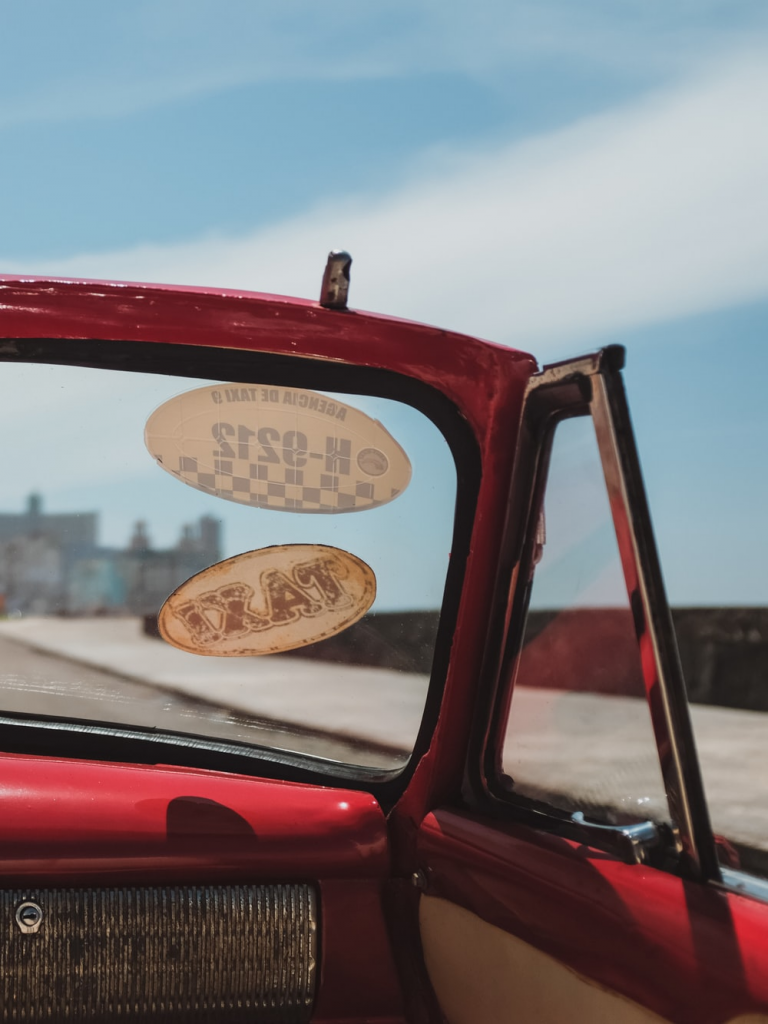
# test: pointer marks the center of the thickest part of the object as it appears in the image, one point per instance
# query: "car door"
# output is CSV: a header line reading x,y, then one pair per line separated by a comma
x,y
576,878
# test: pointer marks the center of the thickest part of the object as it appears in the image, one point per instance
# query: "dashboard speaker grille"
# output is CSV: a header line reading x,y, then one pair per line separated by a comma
x,y
181,953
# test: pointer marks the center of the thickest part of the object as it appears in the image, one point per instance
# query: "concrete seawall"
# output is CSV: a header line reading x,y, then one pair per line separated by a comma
x,y
724,651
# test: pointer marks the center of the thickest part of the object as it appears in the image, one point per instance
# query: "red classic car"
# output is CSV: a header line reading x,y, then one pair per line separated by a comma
x,y
339,684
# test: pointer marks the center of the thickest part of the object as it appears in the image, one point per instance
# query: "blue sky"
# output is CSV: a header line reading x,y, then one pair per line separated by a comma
x,y
545,174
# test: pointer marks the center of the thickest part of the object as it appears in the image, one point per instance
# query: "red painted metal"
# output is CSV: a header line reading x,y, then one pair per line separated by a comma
x,y
358,980
86,823
474,374
692,953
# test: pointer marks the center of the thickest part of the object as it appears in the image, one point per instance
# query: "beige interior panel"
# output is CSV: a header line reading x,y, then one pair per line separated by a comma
x,y
483,975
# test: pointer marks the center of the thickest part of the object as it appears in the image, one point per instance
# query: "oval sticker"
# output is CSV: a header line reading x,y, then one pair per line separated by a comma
x,y
270,600
279,448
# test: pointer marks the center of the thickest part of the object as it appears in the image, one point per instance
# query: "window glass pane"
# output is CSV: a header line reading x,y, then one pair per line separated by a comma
x,y
95,536
579,734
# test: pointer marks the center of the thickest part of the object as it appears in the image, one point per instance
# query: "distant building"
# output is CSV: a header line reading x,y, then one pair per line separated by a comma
x,y
68,529
52,564
150,576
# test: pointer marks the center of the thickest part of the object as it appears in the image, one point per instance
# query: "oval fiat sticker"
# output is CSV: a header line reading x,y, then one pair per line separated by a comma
x,y
279,448
270,600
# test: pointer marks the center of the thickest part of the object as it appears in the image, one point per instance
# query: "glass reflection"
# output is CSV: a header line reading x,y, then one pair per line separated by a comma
x,y
579,735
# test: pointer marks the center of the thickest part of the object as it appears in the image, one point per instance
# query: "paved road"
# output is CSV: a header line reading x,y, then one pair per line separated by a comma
x,y
38,683
380,707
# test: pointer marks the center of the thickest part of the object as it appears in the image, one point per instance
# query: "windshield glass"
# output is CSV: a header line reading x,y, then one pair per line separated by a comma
x,y
328,519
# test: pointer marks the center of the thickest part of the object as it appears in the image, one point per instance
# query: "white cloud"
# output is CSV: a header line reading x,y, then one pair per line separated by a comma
x,y
654,211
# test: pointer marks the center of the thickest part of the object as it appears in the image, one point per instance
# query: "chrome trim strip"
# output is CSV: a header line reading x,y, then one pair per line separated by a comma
x,y
664,683
634,843
570,369
743,884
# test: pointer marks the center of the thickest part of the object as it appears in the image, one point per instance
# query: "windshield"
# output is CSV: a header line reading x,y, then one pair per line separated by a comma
x,y
232,560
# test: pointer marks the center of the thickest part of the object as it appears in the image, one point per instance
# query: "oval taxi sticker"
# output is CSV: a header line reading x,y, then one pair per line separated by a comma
x,y
270,600
279,448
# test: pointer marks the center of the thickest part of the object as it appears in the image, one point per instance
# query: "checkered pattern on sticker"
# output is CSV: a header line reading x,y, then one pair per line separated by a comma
x,y
269,485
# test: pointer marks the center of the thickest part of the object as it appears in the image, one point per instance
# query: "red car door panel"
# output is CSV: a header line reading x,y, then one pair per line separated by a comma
x,y
689,953
521,918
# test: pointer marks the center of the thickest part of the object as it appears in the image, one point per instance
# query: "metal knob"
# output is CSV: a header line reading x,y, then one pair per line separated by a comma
x,y
335,289
29,917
